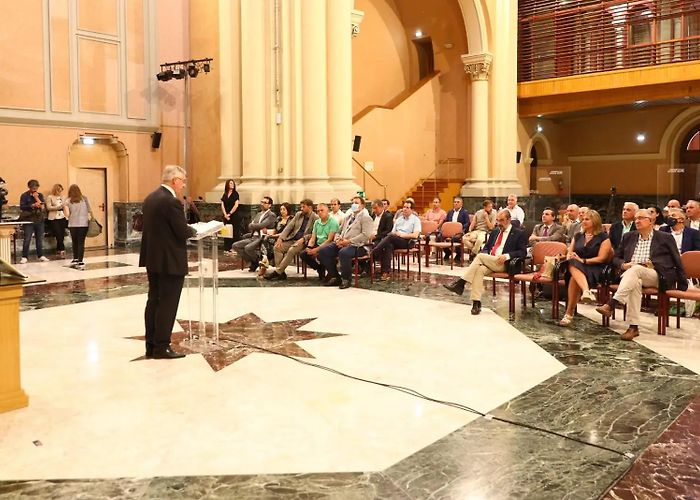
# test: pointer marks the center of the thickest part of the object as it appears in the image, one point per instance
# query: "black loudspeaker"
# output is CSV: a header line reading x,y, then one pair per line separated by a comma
x,y
356,143
155,139
517,156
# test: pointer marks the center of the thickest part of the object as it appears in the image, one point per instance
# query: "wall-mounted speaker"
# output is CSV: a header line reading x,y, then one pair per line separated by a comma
x,y
155,139
356,143
518,154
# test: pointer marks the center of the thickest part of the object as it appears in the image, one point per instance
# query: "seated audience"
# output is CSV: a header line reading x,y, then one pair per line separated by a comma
x,y
657,216
292,239
336,212
687,239
642,256
248,248
267,249
516,212
692,213
505,242
581,212
620,228
349,243
458,214
572,222
588,253
673,204
436,213
406,227
549,230
383,222
322,234
482,224
386,204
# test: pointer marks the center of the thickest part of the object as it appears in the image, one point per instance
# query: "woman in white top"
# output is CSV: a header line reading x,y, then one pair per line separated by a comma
x,y
77,209
57,219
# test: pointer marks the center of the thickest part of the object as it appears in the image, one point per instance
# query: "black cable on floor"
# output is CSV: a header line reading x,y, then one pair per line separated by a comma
x,y
413,392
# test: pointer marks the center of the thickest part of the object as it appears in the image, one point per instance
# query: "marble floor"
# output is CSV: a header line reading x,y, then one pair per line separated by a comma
x,y
390,390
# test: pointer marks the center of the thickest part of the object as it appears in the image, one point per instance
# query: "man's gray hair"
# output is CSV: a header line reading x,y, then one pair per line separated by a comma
x,y
505,212
321,205
377,203
632,204
172,171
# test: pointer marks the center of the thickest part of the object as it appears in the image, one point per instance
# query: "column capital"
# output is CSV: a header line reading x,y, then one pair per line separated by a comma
x,y
477,66
356,18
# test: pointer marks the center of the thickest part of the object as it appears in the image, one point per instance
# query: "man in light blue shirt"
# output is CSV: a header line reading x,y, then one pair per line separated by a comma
x,y
406,227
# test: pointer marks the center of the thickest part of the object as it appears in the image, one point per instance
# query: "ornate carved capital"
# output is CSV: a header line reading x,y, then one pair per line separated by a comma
x,y
477,66
356,18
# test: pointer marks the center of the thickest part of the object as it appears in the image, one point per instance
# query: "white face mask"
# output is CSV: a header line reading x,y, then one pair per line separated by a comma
x,y
355,207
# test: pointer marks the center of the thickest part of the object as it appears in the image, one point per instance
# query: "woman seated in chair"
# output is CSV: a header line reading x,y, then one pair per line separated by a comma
x,y
588,252
267,254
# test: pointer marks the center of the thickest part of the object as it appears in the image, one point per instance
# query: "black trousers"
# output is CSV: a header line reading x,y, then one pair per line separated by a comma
x,y
78,235
161,308
58,228
384,251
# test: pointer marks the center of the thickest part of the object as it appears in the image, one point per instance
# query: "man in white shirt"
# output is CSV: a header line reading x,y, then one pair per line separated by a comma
x,y
516,213
692,212
336,212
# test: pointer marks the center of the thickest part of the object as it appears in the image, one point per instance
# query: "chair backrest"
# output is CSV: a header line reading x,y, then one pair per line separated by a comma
x,y
449,229
546,248
428,226
691,263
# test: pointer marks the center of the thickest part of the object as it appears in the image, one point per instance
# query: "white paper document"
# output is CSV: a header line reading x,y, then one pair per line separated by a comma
x,y
205,229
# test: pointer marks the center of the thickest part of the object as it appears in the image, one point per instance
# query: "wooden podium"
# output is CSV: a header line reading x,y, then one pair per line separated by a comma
x,y
11,394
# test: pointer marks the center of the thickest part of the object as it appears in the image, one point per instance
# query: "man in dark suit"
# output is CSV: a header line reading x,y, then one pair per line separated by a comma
x,y
383,221
549,230
620,228
164,254
687,239
643,256
505,242
458,214
248,248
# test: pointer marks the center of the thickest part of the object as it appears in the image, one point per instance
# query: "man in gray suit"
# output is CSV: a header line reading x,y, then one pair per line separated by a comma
x,y
349,243
292,239
549,230
572,223
249,247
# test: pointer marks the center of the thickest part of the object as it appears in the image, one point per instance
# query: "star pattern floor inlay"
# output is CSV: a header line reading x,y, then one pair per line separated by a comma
x,y
240,337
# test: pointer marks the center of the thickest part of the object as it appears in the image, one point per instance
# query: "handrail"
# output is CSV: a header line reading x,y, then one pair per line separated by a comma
x,y
398,99
366,172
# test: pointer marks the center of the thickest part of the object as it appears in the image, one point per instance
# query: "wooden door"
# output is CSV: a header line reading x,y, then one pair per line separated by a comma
x,y
93,184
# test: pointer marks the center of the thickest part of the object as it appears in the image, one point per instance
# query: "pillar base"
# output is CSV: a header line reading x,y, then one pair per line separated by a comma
x,y
13,400
491,188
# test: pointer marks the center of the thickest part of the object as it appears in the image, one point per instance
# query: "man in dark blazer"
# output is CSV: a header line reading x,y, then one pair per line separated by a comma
x,y
458,214
248,248
549,230
620,228
383,221
505,242
164,254
643,256
689,238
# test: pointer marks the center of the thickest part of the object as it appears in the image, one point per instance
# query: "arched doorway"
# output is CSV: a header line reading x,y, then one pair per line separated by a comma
x,y
689,164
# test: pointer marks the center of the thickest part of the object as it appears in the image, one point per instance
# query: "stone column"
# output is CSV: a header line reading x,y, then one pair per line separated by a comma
x,y
11,394
314,95
254,62
478,67
339,64
228,67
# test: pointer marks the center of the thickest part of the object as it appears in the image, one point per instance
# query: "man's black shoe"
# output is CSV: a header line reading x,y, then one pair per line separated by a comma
x,y
476,307
334,281
253,267
345,284
167,353
456,287
149,350
274,275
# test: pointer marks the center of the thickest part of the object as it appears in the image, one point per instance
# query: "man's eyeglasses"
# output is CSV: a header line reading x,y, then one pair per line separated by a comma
x,y
642,217
264,202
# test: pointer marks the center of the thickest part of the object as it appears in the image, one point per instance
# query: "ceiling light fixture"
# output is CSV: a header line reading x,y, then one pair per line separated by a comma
x,y
419,33
641,138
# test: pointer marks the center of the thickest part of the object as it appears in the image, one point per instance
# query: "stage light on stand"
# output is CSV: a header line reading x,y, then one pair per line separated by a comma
x,y
206,67
179,74
165,76
192,70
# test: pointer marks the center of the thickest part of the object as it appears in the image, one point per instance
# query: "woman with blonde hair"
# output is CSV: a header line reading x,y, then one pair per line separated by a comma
x,y
77,210
56,217
588,252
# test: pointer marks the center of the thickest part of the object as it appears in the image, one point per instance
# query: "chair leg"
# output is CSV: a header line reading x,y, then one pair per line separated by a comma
x,y
356,269
419,256
511,298
678,313
493,283
523,294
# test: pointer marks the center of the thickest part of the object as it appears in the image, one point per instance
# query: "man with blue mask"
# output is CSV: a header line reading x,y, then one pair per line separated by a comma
x,y
349,243
687,239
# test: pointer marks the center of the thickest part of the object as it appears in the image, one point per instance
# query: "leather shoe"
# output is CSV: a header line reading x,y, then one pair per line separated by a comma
x,y
345,284
476,307
605,310
632,332
167,353
456,287
149,350
334,281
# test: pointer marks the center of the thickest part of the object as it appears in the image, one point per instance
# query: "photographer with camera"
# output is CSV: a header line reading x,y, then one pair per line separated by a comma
x,y
3,195
32,209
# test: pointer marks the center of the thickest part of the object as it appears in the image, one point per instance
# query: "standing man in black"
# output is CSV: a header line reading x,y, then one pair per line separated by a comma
x,y
164,254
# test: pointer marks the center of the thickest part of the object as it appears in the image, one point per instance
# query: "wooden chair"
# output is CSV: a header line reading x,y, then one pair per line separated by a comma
x,y
691,265
450,231
662,299
414,249
428,228
539,252
356,265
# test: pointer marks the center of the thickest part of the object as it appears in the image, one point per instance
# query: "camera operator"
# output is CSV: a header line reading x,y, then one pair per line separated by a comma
x,y
32,209
3,195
